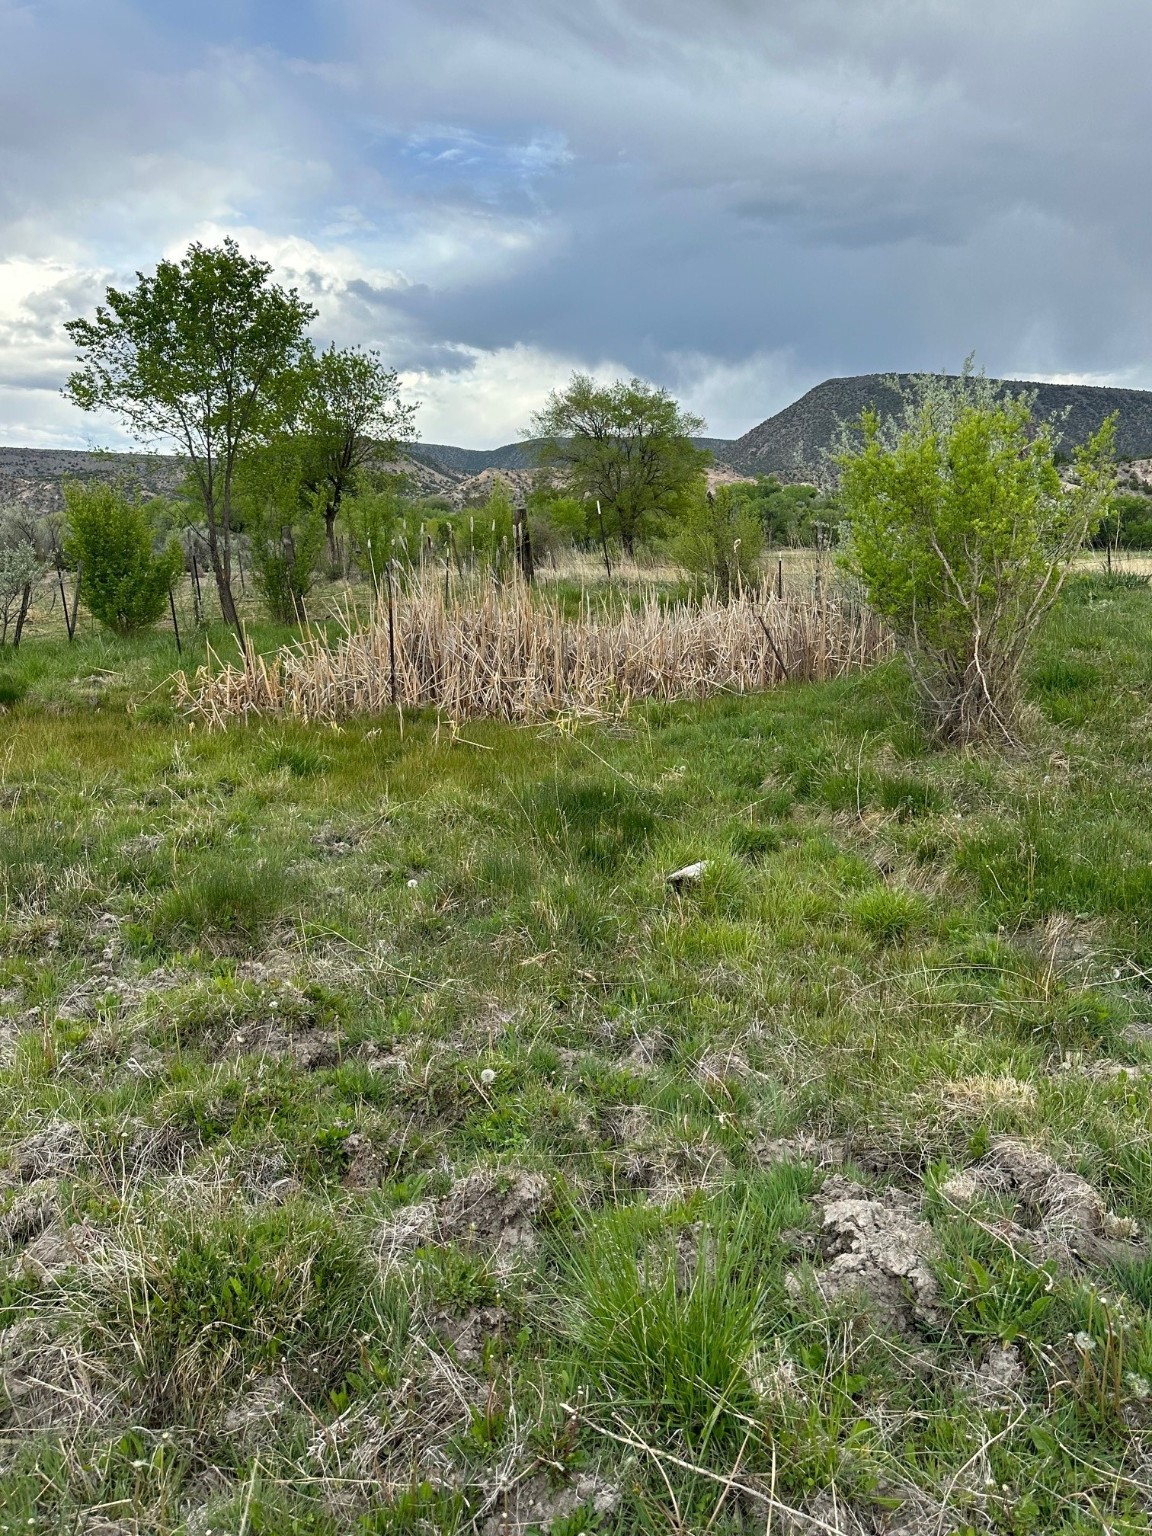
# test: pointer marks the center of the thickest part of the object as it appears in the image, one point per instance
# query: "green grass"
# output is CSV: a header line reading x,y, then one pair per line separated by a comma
x,y
292,986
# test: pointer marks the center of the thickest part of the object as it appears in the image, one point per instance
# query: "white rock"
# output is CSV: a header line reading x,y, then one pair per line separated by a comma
x,y
690,874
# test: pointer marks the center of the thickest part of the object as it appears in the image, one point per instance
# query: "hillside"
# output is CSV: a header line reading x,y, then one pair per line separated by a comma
x,y
791,442
33,477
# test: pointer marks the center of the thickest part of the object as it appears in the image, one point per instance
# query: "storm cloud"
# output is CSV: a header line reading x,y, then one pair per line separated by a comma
x,y
735,200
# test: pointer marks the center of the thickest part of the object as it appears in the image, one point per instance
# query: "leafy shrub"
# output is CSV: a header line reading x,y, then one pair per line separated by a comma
x,y
1127,524
790,514
109,535
961,533
719,541
284,519
21,564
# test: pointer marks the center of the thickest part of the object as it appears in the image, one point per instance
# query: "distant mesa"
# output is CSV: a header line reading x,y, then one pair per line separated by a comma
x,y
790,444
795,438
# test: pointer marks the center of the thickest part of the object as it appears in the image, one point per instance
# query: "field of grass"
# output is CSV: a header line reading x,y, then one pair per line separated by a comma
x,y
389,1147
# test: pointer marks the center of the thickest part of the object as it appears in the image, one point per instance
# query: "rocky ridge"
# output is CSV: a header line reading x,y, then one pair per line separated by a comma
x,y
791,444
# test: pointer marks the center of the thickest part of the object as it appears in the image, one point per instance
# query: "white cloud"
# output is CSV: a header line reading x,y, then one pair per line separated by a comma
x,y
490,401
734,396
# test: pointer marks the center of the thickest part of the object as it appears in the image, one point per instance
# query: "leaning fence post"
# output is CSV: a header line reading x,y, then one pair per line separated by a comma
x,y
175,623
71,622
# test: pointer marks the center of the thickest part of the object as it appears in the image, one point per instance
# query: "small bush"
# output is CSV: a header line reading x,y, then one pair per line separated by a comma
x,y
284,521
719,541
961,533
109,536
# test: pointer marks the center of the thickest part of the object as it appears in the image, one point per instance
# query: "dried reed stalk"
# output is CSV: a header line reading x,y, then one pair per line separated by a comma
x,y
503,652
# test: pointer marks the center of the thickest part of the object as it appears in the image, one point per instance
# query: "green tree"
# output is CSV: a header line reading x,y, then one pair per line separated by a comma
x,y
1126,525
491,527
347,408
627,445
196,353
789,514
108,534
719,541
961,532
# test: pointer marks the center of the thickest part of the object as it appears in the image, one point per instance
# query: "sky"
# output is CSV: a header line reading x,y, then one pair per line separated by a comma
x,y
734,199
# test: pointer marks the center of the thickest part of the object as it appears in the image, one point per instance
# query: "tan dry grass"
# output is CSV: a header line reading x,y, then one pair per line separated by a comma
x,y
512,654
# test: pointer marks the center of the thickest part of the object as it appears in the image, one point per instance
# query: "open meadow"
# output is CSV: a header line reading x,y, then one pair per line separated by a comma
x,y
389,1146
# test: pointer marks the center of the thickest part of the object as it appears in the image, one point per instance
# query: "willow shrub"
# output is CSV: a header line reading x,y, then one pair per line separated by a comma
x,y
961,531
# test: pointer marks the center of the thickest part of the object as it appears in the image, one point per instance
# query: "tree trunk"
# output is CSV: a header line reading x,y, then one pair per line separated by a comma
x,y
223,584
331,512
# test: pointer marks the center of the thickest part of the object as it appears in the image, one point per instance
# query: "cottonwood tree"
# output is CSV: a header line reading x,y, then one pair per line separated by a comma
x,y
196,353
345,405
961,529
626,445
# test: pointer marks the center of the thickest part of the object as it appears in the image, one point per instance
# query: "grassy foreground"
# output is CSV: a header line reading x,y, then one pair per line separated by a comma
x,y
388,1147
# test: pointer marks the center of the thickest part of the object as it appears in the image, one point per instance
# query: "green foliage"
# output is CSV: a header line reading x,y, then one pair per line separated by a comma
x,y
626,445
197,353
793,515
284,519
108,534
21,564
375,514
344,407
1127,524
490,532
558,520
718,541
961,534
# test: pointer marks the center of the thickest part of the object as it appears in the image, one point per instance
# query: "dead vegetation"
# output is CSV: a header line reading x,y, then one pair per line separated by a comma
x,y
503,652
